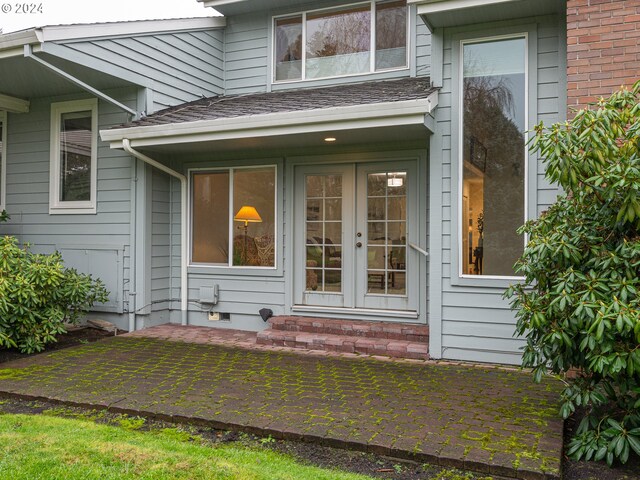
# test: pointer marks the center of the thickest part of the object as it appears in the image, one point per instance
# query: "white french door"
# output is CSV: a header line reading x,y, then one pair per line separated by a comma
x,y
353,225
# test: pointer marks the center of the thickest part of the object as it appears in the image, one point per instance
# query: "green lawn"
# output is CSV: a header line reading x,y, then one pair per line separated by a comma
x,y
43,447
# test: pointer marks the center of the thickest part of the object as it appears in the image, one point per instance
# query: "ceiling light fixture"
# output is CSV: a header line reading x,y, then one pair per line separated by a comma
x,y
395,181
330,139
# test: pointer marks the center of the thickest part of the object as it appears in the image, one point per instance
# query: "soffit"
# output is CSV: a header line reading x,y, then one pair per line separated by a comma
x,y
451,13
29,80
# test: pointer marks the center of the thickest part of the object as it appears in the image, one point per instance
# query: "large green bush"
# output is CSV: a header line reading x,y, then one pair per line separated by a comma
x,y
38,295
579,306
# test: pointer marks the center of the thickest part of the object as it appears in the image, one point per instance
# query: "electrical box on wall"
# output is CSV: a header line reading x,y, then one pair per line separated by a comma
x,y
209,294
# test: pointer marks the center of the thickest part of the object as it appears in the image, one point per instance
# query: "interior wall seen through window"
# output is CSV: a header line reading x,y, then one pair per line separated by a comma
x,y
75,157
493,155
233,217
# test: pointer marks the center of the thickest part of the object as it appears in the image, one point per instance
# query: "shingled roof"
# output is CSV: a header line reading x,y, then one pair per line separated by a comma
x,y
234,106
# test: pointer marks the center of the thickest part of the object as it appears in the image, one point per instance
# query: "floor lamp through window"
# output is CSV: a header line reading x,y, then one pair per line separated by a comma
x,y
247,214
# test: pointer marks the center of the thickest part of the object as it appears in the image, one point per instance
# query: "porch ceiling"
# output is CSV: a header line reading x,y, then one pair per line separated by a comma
x,y
28,79
299,142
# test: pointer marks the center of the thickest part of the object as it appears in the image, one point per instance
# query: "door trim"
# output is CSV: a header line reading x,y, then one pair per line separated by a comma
x,y
422,157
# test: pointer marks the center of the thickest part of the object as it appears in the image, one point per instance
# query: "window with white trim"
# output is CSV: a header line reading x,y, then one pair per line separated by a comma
x,y
3,158
74,154
349,40
233,217
493,163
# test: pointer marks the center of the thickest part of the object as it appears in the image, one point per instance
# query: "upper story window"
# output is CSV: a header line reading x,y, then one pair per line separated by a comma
x,y
74,145
350,40
3,158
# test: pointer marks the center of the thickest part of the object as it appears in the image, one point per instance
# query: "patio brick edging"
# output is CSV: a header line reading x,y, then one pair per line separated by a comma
x,y
477,465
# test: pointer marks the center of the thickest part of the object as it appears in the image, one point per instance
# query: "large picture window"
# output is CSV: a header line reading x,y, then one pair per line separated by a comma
x,y
493,152
74,139
357,39
233,217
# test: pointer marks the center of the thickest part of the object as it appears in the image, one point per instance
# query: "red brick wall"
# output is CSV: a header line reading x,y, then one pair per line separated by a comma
x,y
603,48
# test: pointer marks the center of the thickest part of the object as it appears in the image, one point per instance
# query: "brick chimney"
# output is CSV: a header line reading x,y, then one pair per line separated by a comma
x,y
603,48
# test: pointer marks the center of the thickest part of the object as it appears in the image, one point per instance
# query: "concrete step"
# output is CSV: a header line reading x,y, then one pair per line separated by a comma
x,y
357,328
388,347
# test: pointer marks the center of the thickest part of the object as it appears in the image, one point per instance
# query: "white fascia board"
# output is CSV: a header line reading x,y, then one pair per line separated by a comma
x,y
219,3
94,30
10,41
13,104
12,44
426,7
411,112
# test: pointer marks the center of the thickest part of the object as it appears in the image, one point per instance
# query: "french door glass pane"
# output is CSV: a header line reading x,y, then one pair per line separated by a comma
x,y
493,156
386,233
323,206
75,157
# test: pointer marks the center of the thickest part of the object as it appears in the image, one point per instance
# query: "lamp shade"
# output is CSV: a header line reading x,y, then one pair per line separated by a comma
x,y
247,214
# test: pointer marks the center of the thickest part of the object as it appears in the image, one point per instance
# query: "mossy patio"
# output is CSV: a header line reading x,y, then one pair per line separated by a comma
x,y
480,418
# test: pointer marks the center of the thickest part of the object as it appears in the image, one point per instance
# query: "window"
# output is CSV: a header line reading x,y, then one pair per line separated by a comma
x,y
74,144
493,163
233,217
352,40
3,158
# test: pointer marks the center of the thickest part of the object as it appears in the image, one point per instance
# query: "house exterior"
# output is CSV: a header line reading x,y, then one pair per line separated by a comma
x,y
355,160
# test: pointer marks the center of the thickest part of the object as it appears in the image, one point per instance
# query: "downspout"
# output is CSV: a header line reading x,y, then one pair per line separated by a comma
x,y
184,282
132,250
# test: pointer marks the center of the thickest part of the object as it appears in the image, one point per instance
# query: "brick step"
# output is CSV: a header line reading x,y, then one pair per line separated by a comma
x,y
345,343
358,328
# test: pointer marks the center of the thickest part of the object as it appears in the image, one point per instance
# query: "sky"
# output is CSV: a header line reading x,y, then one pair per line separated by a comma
x,y
18,15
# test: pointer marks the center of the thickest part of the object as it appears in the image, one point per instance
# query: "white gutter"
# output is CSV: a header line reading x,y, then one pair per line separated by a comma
x,y
184,281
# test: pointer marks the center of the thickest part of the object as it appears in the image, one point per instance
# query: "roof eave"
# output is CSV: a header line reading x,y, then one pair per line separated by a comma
x,y
409,112
12,44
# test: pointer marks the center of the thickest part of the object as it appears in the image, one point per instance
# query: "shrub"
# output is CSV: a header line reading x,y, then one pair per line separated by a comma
x,y
579,306
38,295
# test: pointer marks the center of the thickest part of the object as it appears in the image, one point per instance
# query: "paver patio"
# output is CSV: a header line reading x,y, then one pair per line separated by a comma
x,y
484,419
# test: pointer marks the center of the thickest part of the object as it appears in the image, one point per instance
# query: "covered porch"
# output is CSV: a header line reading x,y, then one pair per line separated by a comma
x,y
304,202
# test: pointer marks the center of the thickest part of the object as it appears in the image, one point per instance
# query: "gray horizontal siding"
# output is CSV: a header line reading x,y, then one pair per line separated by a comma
x,y
28,165
246,47
477,323
179,67
160,241
423,48
247,65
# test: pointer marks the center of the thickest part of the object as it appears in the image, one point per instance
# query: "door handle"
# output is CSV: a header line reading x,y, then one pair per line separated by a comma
x,y
418,249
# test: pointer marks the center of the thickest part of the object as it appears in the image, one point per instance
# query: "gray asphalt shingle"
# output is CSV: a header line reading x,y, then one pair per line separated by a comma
x,y
234,106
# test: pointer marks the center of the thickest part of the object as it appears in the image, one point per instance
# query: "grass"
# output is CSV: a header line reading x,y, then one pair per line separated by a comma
x,y
43,447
